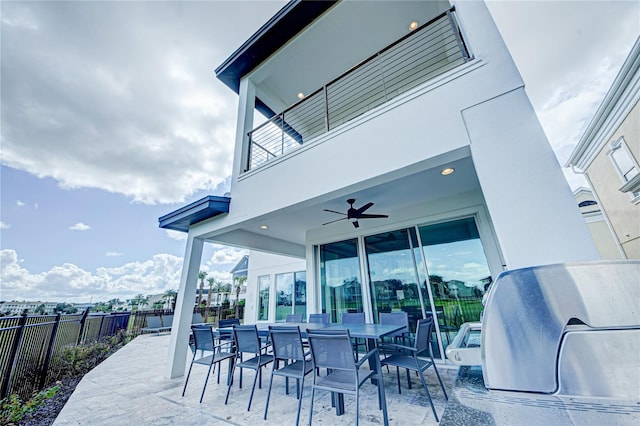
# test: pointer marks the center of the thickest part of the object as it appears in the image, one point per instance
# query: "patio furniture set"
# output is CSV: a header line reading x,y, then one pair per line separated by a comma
x,y
330,353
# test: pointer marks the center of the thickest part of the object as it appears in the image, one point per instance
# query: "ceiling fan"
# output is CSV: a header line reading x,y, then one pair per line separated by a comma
x,y
354,214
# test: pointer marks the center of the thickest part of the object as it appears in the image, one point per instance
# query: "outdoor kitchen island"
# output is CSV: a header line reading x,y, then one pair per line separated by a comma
x,y
557,345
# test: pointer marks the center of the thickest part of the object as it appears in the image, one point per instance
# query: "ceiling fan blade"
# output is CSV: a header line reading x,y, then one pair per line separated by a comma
x,y
355,224
337,220
372,216
333,211
364,208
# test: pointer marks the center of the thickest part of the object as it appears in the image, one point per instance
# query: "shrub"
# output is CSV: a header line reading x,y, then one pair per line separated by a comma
x,y
13,409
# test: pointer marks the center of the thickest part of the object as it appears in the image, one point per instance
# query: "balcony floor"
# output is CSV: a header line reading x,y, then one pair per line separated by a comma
x,y
130,388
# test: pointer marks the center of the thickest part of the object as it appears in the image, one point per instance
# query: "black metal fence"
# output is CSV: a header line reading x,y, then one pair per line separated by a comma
x,y
29,345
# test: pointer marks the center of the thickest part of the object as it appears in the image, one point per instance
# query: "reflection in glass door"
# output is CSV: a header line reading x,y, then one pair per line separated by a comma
x,y
340,280
392,274
458,273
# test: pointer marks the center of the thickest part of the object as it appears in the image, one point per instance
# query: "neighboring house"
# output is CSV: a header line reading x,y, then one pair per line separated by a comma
x,y
417,112
17,308
608,155
598,227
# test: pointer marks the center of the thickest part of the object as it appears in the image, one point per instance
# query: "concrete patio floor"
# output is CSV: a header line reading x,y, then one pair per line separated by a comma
x,y
130,388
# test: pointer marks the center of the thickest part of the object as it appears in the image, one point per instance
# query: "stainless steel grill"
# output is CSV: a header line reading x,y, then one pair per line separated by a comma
x,y
568,330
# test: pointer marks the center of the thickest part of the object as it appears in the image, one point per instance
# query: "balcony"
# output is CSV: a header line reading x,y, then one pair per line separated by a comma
x,y
427,52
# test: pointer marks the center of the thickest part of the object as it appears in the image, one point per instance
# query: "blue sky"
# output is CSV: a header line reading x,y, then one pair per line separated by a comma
x,y
111,116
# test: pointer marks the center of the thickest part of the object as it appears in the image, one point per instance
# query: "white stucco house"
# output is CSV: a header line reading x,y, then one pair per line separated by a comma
x,y
412,112
597,224
608,155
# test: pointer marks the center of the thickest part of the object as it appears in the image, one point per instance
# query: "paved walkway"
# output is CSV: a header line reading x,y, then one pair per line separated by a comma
x,y
129,388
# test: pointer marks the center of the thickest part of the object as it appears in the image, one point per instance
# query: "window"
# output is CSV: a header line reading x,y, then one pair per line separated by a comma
x,y
264,284
624,162
291,294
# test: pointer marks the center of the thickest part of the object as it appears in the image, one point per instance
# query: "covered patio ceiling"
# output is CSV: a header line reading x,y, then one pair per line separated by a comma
x,y
287,228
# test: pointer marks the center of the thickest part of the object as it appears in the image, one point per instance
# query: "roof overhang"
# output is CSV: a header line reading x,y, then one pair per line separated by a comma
x,y
203,209
281,28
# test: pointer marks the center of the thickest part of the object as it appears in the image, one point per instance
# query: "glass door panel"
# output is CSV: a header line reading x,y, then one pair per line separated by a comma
x,y
264,282
284,290
392,275
340,280
300,283
458,273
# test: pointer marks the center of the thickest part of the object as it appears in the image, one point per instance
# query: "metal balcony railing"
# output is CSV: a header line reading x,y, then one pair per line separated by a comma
x,y
430,50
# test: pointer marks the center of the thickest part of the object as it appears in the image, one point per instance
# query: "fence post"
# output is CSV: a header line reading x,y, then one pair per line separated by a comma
x,y
17,340
83,320
47,359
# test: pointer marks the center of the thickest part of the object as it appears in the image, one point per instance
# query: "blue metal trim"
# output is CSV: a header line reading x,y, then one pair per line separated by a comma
x,y
203,209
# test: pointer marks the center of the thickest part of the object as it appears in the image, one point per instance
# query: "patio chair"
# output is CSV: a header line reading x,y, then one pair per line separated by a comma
x,y
294,318
332,349
154,325
319,318
227,323
355,318
400,336
247,341
167,321
287,348
407,357
204,343
196,318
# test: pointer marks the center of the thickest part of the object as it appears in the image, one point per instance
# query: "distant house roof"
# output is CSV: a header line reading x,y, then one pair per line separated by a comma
x,y
241,268
203,209
281,28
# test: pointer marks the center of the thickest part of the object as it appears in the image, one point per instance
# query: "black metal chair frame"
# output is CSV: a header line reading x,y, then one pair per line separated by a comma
x,y
332,349
412,358
247,340
204,342
286,343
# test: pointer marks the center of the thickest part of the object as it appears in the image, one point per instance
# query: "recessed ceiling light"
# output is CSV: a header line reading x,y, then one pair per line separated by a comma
x,y
447,171
300,95
413,25
264,227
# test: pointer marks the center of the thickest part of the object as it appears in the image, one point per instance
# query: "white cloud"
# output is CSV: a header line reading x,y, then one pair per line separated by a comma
x,y
226,255
70,283
113,254
80,227
4,225
152,145
20,203
176,235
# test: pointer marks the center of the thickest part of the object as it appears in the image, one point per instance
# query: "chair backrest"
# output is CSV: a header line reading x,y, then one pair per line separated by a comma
x,y
353,317
167,320
202,337
196,318
229,322
423,335
154,322
395,318
286,342
319,318
294,318
246,338
331,349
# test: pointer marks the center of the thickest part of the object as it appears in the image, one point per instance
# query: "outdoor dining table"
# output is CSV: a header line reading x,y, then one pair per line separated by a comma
x,y
371,332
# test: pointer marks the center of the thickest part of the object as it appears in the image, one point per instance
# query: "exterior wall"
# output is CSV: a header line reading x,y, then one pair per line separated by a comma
x,y
622,212
267,264
519,173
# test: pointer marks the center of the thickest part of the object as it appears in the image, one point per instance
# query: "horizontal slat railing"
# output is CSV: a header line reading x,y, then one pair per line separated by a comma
x,y
429,51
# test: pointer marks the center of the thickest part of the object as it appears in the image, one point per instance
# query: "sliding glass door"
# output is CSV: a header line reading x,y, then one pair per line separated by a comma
x,y
340,280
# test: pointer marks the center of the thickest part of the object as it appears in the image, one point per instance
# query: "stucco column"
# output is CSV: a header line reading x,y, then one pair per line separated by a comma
x,y
533,211
179,343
